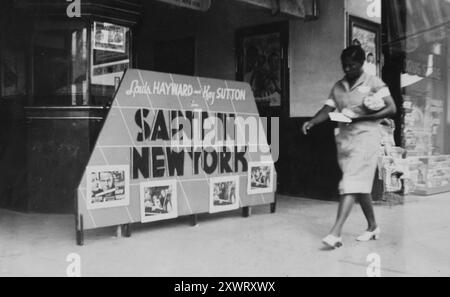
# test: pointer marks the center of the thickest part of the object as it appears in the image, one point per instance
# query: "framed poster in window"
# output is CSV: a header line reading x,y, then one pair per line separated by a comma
x,y
261,53
110,53
110,56
368,35
110,37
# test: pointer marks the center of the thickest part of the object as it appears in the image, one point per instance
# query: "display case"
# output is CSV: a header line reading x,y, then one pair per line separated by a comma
x,y
59,61
429,175
60,74
424,130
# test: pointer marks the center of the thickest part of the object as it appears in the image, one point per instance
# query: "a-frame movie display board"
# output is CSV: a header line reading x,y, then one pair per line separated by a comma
x,y
173,146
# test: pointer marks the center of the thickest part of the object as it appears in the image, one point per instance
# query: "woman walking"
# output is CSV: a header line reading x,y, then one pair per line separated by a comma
x,y
366,100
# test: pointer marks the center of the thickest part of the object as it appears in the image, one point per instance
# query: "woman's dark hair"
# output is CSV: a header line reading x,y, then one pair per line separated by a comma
x,y
355,53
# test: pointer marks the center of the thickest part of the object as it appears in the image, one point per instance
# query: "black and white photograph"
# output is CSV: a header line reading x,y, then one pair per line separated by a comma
x,y
224,194
315,140
158,201
108,186
260,178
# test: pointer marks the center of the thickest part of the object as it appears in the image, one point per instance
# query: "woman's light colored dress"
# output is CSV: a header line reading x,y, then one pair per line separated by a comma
x,y
358,144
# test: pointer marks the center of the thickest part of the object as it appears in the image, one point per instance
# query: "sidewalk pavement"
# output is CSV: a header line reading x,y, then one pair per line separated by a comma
x,y
415,242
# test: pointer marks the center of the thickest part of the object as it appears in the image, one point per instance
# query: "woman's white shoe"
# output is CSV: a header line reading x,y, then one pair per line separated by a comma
x,y
368,236
332,241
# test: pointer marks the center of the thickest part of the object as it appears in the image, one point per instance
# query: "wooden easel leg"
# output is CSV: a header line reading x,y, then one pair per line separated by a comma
x,y
80,231
194,220
126,230
246,211
273,207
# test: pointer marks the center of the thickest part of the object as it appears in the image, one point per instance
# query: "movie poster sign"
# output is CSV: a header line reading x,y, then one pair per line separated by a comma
x,y
263,64
108,186
224,194
367,34
200,133
158,201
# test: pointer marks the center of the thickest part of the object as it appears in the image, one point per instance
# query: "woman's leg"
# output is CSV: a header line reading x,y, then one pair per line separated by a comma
x,y
345,207
365,200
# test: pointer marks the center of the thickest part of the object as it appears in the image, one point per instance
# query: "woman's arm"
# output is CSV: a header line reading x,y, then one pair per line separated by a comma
x,y
319,118
388,111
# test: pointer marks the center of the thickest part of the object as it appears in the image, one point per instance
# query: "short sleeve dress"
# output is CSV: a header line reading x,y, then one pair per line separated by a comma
x,y
358,144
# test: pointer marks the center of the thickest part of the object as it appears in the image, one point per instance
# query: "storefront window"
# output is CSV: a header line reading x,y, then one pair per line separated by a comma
x,y
110,54
424,100
61,55
60,71
425,84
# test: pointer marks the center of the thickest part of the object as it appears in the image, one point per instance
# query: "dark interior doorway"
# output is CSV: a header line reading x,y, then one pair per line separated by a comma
x,y
262,61
175,56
